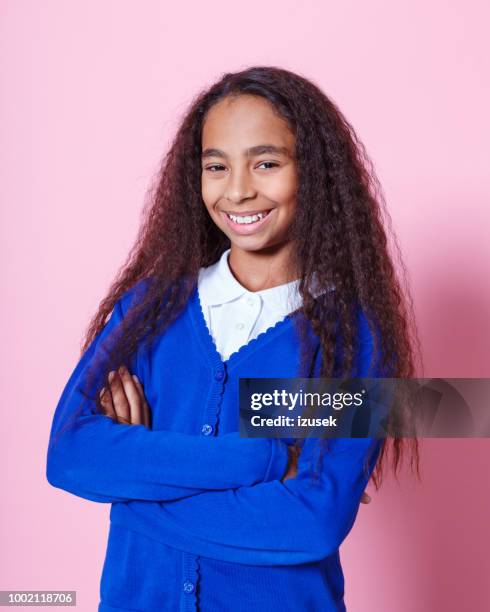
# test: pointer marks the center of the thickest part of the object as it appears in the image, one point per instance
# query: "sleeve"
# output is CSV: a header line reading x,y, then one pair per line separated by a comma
x,y
105,461
275,523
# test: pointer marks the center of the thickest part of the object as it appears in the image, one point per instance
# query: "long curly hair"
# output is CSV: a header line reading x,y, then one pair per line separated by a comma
x,y
338,230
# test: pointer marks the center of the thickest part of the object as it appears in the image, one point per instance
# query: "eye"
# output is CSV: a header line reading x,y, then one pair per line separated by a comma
x,y
273,164
213,166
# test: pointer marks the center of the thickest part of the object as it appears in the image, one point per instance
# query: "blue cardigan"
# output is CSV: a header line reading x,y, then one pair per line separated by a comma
x,y
200,519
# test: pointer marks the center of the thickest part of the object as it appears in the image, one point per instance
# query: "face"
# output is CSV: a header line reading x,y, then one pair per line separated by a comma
x,y
249,171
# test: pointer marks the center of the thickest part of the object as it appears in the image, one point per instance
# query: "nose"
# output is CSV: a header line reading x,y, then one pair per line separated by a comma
x,y
239,187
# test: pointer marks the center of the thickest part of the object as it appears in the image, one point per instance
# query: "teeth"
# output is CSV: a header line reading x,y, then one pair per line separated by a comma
x,y
249,219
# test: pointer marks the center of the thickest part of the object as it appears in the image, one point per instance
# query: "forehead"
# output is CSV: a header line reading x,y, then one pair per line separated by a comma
x,y
244,121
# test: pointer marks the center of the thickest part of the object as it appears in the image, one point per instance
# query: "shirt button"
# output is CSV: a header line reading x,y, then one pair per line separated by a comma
x,y
207,429
219,374
250,301
188,587
239,326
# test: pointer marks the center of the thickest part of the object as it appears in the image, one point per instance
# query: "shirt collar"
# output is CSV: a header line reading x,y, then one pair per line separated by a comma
x,y
217,285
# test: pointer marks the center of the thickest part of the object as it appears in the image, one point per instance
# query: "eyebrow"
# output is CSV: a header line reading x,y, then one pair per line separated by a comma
x,y
252,151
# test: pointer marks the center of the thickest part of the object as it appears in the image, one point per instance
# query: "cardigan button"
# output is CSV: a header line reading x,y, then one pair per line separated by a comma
x,y
188,587
207,429
219,374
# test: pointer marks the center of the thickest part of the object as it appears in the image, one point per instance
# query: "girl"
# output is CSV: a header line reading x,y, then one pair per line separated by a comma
x,y
261,254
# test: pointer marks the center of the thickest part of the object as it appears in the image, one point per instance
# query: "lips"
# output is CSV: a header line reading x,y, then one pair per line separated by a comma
x,y
248,213
244,229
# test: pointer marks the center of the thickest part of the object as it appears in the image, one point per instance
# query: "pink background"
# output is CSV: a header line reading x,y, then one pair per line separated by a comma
x,y
91,93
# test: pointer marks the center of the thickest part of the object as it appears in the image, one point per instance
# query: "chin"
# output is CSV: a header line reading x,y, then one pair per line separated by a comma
x,y
251,246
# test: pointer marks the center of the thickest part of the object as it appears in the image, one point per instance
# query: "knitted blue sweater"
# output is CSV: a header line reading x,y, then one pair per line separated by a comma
x,y
200,519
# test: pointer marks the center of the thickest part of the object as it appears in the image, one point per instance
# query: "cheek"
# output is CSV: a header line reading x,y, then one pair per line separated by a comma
x,y
209,193
282,189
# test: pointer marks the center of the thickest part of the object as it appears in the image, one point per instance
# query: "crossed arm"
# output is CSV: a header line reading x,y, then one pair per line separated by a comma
x,y
260,509
123,399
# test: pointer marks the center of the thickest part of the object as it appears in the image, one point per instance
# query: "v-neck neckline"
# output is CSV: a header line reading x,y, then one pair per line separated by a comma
x,y
209,345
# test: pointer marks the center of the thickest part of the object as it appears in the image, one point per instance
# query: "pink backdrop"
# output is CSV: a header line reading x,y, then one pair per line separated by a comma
x,y
91,92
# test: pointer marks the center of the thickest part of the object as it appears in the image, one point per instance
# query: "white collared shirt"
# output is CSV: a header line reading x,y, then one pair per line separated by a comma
x,y
234,315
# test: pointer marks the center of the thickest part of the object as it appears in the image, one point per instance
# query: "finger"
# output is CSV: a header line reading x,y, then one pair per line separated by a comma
x,y
133,396
365,498
296,455
145,406
106,402
119,399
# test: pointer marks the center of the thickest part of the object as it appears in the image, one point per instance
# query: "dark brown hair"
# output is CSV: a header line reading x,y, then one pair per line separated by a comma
x,y
338,230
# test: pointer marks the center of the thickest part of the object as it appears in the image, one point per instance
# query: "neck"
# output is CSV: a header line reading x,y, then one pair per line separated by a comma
x,y
264,268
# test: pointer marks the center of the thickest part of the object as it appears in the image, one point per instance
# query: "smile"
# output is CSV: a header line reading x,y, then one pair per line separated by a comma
x,y
247,219
246,224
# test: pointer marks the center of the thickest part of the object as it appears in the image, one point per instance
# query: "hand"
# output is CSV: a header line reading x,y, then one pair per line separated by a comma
x,y
124,399
292,470
292,467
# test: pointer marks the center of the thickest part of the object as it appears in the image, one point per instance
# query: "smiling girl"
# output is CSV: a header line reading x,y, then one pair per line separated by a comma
x,y
261,254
